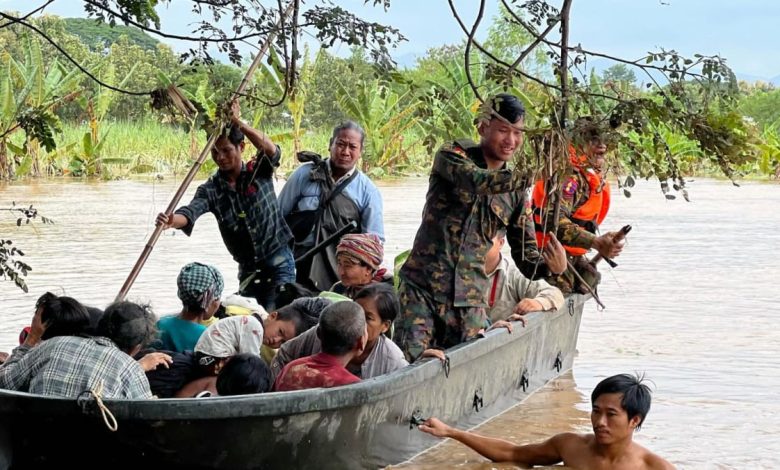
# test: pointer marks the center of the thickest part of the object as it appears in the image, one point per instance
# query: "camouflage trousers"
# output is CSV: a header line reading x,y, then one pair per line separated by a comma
x,y
567,282
425,323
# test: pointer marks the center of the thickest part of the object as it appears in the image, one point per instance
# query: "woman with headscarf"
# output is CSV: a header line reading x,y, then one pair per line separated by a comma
x,y
359,257
199,288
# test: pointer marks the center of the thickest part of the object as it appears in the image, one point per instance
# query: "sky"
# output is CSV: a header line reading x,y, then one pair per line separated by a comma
x,y
743,31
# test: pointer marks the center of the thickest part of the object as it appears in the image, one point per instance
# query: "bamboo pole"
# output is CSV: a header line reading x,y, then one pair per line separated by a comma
x,y
139,264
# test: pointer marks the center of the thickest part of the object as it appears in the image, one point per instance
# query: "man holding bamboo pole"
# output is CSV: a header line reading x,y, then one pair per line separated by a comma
x,y
242,199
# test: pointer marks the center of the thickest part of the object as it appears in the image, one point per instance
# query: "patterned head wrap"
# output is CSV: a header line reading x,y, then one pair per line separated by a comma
x,y
199,284
365,247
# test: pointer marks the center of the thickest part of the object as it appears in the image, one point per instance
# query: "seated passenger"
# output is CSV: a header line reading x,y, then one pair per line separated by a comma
x,y
199,288
510,294
247,333
242,374
381,356
181,369
68,366
343,335
359,258
60,316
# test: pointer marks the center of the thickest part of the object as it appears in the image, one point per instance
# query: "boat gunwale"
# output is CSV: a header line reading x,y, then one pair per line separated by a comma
x,y
294,402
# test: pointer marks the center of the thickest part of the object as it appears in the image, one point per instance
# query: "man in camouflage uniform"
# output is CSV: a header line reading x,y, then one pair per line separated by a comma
x,y
584,204
472,195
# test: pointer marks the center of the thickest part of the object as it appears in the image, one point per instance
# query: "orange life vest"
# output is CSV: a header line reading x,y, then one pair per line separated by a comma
x,y
594,210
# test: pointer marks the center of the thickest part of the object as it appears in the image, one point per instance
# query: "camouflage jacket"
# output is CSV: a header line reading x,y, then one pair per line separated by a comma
x,y
465,207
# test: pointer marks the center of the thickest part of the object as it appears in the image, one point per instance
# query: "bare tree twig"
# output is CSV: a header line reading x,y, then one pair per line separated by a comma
x,y
533,45
636,63
467,54
492,56
40,8
157,32
563,74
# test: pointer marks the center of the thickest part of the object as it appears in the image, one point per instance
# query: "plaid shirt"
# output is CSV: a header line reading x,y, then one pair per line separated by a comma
x,y
67,366
248,215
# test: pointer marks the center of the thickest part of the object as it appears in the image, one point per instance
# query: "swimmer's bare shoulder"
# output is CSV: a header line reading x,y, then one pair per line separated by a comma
x,y
654,461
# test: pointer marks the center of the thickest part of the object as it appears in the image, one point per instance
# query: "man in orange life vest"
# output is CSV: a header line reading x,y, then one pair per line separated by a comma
x,y
585,199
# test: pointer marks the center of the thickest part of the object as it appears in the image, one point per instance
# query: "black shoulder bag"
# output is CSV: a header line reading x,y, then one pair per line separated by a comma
x,y
302,222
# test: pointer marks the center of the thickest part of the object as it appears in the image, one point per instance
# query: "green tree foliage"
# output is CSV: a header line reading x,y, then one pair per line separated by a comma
x,y
332,76
620,74
381,111
507,40
12,268
139,69
762,104
98,37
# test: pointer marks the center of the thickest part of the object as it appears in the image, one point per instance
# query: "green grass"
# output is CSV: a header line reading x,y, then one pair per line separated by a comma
x,y
149,147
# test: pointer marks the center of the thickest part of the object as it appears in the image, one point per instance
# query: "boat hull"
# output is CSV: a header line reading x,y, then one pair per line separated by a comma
x,y
365,425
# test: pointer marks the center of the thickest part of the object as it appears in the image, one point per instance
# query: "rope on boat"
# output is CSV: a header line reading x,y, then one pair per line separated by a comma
x,y
108,417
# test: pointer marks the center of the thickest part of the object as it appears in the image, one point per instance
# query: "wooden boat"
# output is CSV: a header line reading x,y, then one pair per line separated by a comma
x,y
364,425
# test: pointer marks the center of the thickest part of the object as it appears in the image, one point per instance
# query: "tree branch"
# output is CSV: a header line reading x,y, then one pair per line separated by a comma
x,y
467,58
40,8
563,74
493,57
533,45
130,21
541,38
71,59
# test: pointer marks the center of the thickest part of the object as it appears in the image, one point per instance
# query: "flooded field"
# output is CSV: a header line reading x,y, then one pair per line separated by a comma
x,y
693,304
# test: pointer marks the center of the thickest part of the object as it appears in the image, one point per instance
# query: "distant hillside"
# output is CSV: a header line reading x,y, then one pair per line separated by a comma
x,y
99,36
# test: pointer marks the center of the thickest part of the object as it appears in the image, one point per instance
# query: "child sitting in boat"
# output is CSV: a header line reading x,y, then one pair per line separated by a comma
x,y
343,336
244,374
381,356
199,288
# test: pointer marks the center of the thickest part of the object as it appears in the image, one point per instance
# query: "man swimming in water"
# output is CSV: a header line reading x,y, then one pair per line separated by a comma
x,y
620,405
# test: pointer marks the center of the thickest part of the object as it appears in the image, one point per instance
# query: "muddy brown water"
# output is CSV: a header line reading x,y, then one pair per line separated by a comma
x,y
693,305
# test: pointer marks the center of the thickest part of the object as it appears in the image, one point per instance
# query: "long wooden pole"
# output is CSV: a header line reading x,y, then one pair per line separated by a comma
x,y
199,162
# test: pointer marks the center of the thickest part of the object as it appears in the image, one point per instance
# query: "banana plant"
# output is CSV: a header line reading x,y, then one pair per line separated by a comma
x,y
769,151
29,92
449,105
386,115
88,160
271,78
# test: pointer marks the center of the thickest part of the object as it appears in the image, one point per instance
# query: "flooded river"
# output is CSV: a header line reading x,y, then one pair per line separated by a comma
x,y
693,305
